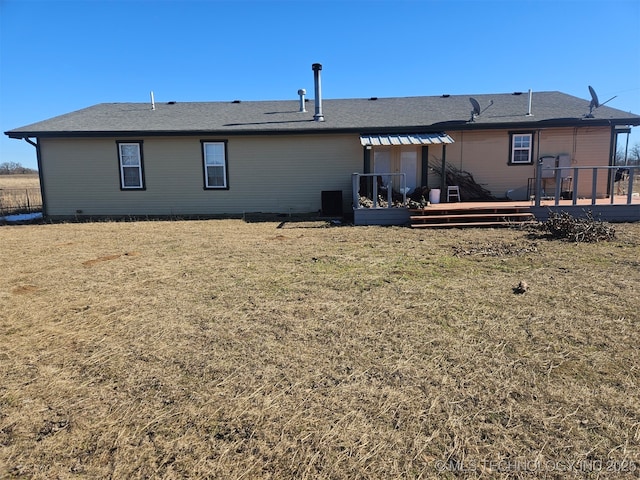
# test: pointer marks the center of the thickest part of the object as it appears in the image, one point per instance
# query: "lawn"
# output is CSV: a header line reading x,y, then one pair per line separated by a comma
x,y
226,349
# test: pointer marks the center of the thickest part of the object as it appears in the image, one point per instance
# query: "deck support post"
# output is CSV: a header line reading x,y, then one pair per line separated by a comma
x,y
538,181
558,187
355,188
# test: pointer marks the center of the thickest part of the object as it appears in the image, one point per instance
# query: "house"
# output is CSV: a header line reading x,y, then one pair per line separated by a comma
x,y
229,158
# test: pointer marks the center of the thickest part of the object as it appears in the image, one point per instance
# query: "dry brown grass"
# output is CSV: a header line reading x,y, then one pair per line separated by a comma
x,y
221,349
19,193
30,180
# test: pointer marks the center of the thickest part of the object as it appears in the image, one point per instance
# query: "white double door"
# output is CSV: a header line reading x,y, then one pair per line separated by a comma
x,y
397,160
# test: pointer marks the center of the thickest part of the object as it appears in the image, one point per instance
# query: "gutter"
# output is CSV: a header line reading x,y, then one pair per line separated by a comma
x,y
318,127
323,128
36,144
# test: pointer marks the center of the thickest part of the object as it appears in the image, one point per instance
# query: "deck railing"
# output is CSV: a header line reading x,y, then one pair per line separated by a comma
x,y
378,182
572,174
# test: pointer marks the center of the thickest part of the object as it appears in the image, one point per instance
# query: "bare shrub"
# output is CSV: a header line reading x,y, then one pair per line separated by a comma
x,y
565,226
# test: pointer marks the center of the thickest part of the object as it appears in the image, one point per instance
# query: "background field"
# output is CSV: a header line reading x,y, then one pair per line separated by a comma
x,y
224,349
20,194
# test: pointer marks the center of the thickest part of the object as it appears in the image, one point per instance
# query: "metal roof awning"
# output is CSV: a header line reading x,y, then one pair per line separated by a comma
x,y
406,139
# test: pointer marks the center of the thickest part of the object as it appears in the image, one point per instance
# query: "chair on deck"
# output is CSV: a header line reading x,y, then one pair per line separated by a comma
x,y
453,192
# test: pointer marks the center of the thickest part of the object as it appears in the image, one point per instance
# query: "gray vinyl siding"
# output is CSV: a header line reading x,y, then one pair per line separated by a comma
x,y
275,174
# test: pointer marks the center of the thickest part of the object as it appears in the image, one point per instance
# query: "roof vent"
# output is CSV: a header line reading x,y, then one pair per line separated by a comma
x,y
302,92
319,116
445,95
172,102
236,101
516,93
373,98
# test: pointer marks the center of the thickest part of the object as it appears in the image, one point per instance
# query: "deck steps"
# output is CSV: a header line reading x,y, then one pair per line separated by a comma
x,y
457,216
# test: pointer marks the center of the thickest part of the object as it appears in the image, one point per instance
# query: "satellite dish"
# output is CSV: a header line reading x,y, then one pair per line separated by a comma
x,y
594,99
595,103
476,106
476,112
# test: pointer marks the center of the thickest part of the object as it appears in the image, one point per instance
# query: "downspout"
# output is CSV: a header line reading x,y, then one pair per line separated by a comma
x,y
36,144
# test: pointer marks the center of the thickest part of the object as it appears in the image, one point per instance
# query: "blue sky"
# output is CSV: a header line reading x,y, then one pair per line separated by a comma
x,y
60,56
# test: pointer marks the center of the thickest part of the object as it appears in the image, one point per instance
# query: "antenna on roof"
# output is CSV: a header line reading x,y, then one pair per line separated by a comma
x,y
595,103
153,103
476,112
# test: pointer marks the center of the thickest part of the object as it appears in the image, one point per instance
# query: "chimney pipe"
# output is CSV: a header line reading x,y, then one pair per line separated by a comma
x,y
302,92
316,67
153,102
529,114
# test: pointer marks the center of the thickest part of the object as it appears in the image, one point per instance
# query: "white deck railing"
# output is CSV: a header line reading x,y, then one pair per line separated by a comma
x,y
572,174
355,178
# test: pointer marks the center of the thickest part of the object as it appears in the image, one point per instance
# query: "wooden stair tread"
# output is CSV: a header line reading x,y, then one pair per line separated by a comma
x,y
470,215
448,216
467,224
437,211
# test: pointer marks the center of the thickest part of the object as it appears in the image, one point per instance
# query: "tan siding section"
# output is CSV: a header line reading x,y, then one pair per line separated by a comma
x,y
266,173
586,147
486,155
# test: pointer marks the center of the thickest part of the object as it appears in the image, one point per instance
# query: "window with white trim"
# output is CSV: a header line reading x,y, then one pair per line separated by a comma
x,y
131,174
521,148
214,156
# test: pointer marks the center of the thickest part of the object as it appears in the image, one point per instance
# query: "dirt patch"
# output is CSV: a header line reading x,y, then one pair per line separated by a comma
x,y
495,250
24,289
106,258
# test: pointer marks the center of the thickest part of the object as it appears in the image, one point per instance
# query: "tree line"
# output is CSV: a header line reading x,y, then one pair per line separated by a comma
x,y
14,168
633,156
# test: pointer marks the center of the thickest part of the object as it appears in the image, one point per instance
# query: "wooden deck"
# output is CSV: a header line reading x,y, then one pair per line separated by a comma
x,y
474,214
582,202
480,214
500,213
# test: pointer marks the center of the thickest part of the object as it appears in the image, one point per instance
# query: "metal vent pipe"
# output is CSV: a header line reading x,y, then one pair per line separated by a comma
x,y
316,67
302,92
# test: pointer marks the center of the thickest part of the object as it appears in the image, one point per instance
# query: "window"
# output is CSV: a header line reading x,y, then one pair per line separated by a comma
x,y
131,174
215,165
521,148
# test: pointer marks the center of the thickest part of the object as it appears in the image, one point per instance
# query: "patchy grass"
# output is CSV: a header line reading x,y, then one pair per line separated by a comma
x,y
212,349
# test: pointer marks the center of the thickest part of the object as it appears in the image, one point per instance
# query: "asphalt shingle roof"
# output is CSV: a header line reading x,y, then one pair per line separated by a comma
x,y
362,115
